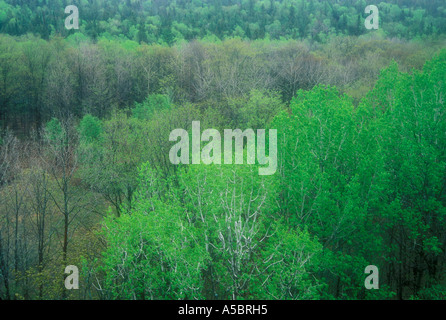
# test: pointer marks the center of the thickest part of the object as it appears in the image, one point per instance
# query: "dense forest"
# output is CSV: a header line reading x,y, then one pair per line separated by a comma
x,y
85,175
163,21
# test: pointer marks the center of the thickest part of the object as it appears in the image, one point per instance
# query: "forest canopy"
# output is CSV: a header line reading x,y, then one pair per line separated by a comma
x,y
86,179
162,21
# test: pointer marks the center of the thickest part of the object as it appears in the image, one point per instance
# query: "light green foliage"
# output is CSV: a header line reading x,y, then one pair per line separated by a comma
x,y
230,205
361,171
55,134
153,252
153,103
355,187
321,183
295,257
90,129
232,244
413,147
261,109
110,164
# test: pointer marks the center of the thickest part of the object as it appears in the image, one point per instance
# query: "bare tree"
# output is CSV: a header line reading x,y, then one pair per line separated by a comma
x,y
60,158
8,152
39,195
232,215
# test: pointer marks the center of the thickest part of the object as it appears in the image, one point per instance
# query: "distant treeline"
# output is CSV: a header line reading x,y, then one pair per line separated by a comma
x,y
162,21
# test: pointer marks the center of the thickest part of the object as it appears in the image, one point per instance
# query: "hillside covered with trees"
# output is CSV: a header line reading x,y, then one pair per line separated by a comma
x,y
162,21
86,179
